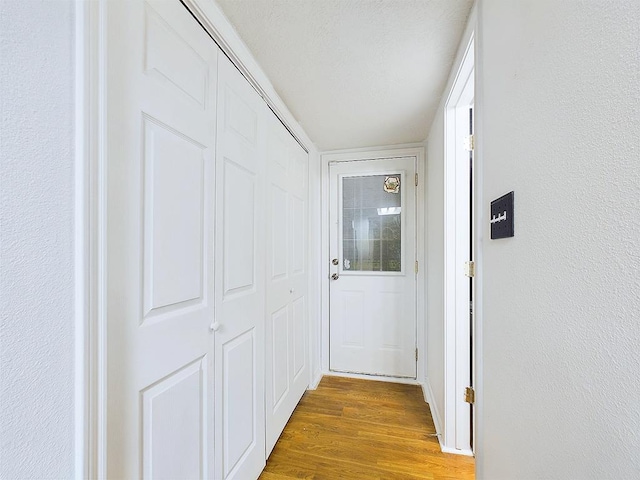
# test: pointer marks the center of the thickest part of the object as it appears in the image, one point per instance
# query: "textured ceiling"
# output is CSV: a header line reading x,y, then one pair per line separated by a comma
x,y
354,73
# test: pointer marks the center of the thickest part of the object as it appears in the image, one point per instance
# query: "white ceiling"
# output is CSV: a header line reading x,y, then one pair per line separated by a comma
x,y
354,73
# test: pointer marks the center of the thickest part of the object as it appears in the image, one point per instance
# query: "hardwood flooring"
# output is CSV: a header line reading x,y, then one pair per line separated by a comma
x,y
361,429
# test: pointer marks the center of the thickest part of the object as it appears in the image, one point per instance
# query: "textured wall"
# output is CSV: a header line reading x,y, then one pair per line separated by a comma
x,y
36,239
435,261
561,122
435,235
315,265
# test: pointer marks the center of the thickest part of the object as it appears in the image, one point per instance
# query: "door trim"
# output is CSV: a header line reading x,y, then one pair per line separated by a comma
x,y
215,23
90,239
456,322
377,153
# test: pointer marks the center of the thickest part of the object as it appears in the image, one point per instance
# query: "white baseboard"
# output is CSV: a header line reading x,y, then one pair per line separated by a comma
x,y
315,380
437,421
378,378
455,451
435,414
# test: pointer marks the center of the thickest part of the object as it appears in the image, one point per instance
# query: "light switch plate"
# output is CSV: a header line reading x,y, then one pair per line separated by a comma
x,y
502,217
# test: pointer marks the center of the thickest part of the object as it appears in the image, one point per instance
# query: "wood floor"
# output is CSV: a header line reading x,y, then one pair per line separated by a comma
x,y
360,429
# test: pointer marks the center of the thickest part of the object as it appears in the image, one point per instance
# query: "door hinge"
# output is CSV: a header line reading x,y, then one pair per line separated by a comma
x,y
416,354
470,143
470,269
469,395
416,179
416,267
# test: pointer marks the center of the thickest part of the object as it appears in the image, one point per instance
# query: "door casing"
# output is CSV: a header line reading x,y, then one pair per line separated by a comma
x,y
456,437
410,150
398,362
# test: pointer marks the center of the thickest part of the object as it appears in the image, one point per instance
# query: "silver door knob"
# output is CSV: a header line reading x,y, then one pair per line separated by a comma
x,y
291,290
335,261
214,327
335,276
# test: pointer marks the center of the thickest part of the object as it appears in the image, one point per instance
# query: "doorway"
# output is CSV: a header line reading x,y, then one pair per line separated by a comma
x,y
459,284
373,267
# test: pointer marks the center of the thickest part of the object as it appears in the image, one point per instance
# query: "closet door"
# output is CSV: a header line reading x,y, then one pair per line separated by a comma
x,y
240,285
287,372
161,94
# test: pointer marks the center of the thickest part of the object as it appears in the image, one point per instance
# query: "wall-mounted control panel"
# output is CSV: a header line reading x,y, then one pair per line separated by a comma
x,y
502,217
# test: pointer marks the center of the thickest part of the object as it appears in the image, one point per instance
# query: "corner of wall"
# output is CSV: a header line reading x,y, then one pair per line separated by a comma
x,y
435,413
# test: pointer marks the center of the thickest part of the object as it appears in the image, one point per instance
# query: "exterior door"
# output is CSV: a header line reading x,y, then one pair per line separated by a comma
x,y
161,96
240,284
287,374
373,277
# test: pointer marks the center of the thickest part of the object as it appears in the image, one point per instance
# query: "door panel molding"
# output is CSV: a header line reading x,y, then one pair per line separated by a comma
x,y
91,112
224,34
372,356
160,247
239,325
287,359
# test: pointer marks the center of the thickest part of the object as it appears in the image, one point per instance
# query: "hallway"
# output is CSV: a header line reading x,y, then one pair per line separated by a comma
x,y
362,429
167,242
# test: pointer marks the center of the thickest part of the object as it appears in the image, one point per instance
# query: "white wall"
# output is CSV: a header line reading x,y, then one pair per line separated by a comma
x,y
36,240
315,267
435,207
435,265
560,114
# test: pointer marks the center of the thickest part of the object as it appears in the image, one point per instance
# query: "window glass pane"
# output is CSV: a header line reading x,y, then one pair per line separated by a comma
x,y
371,223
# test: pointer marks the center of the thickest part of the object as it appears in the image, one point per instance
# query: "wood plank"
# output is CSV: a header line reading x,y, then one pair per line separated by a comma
x,y
362,429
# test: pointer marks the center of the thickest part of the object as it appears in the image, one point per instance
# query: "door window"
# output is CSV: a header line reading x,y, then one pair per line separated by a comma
x,y
372,223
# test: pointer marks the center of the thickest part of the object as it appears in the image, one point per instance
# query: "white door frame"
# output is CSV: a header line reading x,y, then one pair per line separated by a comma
x,y
90,259
378,153
456,435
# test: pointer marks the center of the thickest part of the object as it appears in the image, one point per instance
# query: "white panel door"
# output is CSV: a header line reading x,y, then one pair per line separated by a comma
x,y
161,96
373,250
287,372
240,285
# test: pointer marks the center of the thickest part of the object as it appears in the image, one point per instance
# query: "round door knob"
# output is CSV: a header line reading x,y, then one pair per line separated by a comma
x,y
334,276
214,327
291,290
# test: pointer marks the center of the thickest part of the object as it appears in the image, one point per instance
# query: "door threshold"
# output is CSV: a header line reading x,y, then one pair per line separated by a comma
x,y
379,378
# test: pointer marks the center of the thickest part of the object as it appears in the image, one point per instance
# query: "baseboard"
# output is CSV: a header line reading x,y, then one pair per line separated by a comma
x,y
378,378
435,414
455,451
437,421
315,380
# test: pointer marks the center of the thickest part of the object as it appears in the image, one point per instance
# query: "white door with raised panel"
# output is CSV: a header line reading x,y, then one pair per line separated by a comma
x,y
161,97
287,371
373,278
240,284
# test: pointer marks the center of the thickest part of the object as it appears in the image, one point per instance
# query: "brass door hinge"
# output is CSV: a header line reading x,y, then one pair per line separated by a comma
x,y
416,267
470,143
416,354
470,269
416,179
469,395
